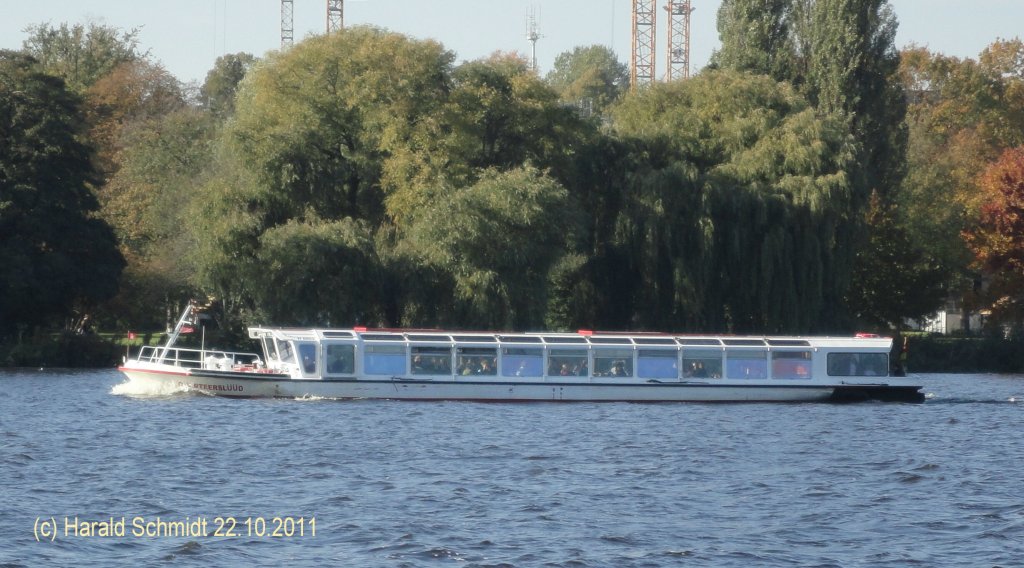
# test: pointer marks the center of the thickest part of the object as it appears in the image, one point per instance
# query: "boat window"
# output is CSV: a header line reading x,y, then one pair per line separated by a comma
x,y
702,363
519,338
384,359
563,339
284,351
339,359
475,338
522,362
858,364
382,337
430,360
424,337
738,342
791,364
611,340
746,364
268,349
613,362
657,364
476,361
307,354
692,341
567,362
789,342
654,341
336,334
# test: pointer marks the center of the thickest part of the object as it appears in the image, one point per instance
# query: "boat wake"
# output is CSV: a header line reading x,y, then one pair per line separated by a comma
x,y
138,389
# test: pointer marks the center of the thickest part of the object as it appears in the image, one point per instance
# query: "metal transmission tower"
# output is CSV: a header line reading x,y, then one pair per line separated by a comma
x,y
287,23
678,39
532,35
335,16
641,69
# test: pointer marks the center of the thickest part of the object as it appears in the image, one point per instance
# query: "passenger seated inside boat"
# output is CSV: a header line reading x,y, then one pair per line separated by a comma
x,y
697,370
485,368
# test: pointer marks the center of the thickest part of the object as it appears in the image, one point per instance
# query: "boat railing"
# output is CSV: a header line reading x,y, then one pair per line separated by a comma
x,y
199,358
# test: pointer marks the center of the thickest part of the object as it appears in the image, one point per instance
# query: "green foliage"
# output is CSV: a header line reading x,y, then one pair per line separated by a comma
x,y
316,273
502,116
963,114
56,254
163,168
893,280
81,54
218,91
591,78
64,349
316,122
498,239
755,37
935,354
731,223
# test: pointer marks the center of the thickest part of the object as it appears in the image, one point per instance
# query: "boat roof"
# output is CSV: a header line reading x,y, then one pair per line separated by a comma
x,y
580,338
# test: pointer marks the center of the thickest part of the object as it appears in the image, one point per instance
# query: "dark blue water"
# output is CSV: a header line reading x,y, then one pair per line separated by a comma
x,y
541,484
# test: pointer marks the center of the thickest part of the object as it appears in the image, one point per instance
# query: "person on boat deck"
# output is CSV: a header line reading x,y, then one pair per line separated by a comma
x,y
565,371
417,364
618,369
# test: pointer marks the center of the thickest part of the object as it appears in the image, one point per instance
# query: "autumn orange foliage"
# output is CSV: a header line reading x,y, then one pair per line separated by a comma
x,y
998,240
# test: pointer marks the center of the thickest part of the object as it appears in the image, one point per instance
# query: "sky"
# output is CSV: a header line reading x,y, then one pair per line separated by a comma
x,y
187,36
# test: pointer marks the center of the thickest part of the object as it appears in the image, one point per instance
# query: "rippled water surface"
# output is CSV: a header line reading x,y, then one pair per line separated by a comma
x,y
540,484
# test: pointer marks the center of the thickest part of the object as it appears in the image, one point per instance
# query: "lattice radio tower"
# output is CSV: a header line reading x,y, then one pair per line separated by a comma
x,y
287,23
678,39
532,35
641,69
335,16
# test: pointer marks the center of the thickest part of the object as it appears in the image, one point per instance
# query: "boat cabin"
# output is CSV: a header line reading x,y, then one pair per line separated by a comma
x,y
566,357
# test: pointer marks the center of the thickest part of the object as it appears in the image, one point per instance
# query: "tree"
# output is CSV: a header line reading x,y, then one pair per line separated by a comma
x,y
963,113
498,239
218,91
893,280
591,78
730,220
57,255
130,95
163,167
80,54
998,239
314,132
316,122
755,37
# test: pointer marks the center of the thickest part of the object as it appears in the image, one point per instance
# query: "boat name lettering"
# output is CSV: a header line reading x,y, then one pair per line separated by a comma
x,y
201,386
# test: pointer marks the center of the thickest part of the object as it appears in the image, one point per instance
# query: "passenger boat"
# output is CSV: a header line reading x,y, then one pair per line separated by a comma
x,y
582,366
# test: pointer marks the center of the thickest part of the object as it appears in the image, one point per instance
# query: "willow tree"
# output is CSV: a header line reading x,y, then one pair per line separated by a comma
x,y
732,223
841,57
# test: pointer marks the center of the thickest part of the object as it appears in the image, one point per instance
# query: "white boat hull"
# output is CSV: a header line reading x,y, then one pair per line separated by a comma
x,y
238,384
